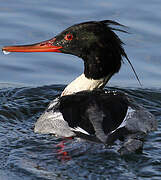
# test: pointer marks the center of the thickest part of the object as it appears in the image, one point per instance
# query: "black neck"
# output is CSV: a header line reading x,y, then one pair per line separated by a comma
x,y
102,63
104,57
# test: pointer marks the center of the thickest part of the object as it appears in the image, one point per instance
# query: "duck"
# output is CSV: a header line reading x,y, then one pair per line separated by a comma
x,y
85,109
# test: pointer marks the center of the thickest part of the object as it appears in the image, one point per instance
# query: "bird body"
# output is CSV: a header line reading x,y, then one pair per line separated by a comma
x,y
102,116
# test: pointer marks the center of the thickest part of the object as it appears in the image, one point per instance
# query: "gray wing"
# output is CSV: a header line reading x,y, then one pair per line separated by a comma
x,y
140,120
52,122
96,115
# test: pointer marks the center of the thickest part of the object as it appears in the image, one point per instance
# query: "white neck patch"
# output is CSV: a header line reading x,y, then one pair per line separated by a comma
x,y
82,83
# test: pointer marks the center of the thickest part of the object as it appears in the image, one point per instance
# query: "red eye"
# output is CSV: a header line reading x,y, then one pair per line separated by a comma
x,y
68,37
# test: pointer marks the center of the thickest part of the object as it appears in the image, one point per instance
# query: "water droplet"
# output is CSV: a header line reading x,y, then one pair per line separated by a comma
x,y
6,52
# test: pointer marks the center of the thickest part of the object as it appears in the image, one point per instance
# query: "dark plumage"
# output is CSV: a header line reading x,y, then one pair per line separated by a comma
x,y
97,44
110,106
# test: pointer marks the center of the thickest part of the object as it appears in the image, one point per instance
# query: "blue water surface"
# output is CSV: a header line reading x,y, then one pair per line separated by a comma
x,y
29,81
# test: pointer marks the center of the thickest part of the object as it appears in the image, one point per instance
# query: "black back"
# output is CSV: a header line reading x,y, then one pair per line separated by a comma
x,y
112,104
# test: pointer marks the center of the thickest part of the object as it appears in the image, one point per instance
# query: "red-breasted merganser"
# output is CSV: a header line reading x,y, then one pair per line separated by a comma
x,y
84,109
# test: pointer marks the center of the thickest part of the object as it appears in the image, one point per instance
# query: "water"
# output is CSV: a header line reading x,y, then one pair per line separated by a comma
x,y
29,81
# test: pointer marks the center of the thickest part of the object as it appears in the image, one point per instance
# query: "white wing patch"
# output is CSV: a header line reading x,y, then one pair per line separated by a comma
x,y
128,115
53,103
79,129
